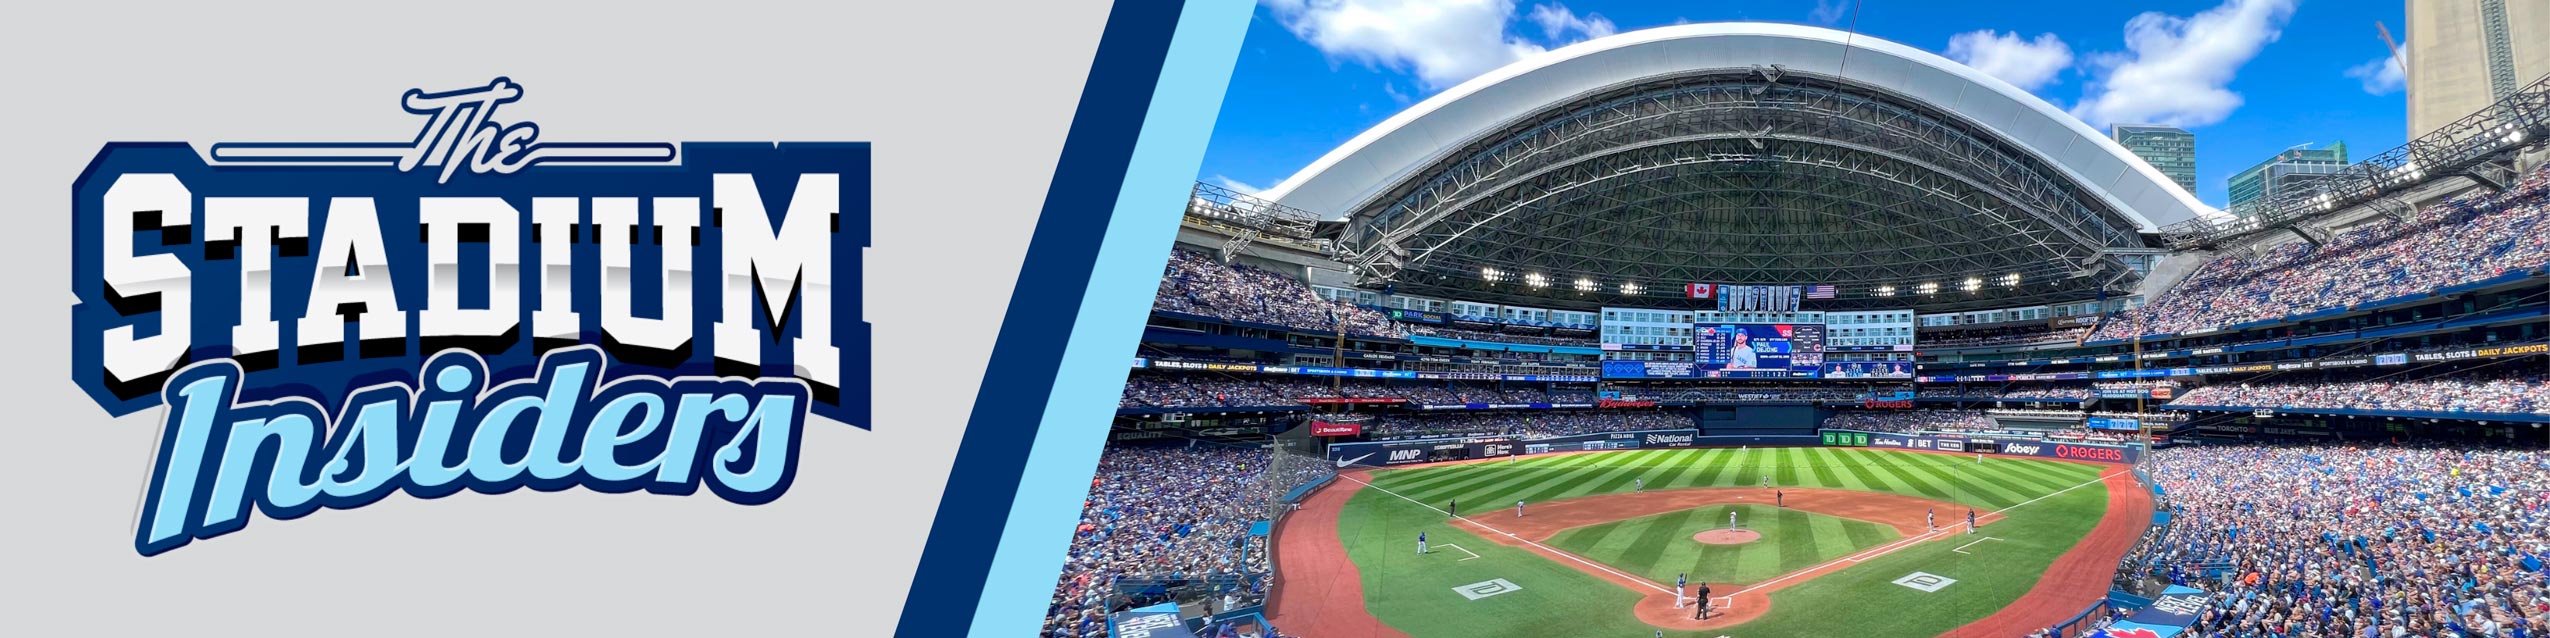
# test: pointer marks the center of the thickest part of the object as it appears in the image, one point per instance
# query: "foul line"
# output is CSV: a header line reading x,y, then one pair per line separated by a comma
x,y
1464,550
1890,548
1961,549
1587,563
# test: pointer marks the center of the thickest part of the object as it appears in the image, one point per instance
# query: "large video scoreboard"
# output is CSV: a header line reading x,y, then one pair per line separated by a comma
x,y
1737,351
1758,350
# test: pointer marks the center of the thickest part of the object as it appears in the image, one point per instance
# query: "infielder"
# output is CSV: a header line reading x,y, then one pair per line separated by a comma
x,y
1930,517
1518,509
1969,520
1641,484
1421,543
1780,498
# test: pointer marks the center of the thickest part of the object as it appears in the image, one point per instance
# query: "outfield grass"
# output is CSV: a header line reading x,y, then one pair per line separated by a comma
x,y
1660,547
1415,594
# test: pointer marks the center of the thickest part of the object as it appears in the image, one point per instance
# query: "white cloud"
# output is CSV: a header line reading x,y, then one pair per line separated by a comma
x,y
1243,188
2383,75
2027,64
1440,42
1828,11
2176,71
1558,23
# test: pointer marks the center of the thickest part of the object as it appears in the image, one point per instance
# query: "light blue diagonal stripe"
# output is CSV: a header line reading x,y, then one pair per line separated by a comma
x,y
1091,376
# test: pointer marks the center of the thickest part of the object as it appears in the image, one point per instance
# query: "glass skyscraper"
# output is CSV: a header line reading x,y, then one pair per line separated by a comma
x,y
2168,148
2287,170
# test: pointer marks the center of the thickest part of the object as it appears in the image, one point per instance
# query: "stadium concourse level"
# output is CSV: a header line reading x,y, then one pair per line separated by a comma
x,y
2057,393
1530,425
2010,336
1504,337
1196,284
1211,391
2355,541
1165,515
2461,240
1968,422
2521,390
1742,394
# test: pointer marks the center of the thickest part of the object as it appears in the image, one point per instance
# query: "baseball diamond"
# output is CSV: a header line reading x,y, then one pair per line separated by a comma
x,y
1598,558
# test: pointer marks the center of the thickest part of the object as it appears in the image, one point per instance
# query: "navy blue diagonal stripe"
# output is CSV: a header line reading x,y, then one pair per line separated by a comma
x,y
1051,283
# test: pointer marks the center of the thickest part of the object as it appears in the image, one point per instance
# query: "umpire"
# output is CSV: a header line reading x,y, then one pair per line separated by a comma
x,y
1704,602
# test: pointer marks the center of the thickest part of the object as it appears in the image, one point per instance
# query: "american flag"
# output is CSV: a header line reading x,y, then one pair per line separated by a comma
x,y
1819,292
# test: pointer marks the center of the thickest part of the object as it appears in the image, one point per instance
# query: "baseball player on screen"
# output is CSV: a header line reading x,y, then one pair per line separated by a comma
x,y
1930,517
1741,357
1678,581
1421,543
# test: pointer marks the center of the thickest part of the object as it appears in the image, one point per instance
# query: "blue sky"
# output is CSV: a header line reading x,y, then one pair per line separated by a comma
x,y
2250,77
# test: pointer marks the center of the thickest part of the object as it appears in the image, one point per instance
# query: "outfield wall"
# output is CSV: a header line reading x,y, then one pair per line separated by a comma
x,y
1389,453
2119,454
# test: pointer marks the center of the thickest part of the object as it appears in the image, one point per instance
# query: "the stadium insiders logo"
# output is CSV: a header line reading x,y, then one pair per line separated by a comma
x,y
476,308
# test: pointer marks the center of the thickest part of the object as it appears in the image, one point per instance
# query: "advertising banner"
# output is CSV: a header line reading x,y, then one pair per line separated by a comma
x,y
1328,428
2115,423
1156,621
2177,606
2046,449
1492,449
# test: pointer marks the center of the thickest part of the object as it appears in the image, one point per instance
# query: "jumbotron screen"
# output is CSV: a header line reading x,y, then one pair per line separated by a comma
x,y
1758,350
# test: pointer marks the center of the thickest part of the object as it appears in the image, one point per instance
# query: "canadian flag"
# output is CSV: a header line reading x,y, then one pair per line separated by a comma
x,y
1699,291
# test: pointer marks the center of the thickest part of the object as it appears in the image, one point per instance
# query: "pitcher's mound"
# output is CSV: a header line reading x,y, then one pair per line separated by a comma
x,y
1727,536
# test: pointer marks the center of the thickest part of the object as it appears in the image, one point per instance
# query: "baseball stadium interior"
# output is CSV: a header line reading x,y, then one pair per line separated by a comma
x,y
2327,411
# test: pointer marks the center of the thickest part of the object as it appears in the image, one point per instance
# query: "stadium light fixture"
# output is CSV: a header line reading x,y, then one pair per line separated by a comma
x,y
1490,274
1585,285
1536,280
1971,284
2010,280
1928,288
1885,291
1629,288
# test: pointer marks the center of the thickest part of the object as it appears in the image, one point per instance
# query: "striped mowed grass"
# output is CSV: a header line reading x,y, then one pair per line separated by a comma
x,y
1994,483
1660,547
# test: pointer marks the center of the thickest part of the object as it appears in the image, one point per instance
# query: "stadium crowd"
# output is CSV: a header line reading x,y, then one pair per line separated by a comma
x,y
1198,284
2021,335
2355,541
1166,512
1909,421
1222,391
2459,241
2000,393
1501,337
1523,425
2520,391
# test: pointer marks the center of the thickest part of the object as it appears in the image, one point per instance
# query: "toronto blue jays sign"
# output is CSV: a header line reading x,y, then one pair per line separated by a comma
x,y
476,308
